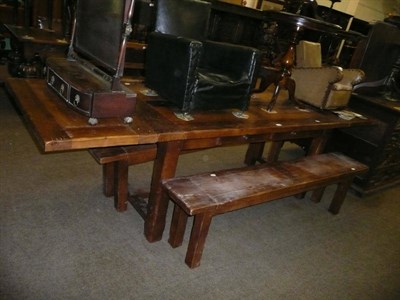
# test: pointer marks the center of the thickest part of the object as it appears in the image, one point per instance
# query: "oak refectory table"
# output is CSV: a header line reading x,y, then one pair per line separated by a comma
x,y
58,128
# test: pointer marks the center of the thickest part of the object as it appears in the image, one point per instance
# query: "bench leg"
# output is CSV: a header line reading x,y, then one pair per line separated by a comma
x,y
178,227
121,185
108,179
339,196
317,194
198,236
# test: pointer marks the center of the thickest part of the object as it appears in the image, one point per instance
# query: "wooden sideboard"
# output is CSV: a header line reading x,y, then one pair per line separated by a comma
x,y
377,146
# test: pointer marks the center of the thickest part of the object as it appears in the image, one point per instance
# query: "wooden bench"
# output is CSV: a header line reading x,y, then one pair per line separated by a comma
x,y
116,161
206,195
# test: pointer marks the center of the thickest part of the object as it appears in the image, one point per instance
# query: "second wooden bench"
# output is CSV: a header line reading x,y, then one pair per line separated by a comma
x,y
206,195
116,161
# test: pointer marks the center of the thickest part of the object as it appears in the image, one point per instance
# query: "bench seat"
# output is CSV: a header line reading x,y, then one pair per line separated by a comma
x,y
116,161
206,195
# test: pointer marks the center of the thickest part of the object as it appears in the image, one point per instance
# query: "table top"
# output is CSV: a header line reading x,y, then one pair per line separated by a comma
x,y
57,127
302,21
36,35
313,24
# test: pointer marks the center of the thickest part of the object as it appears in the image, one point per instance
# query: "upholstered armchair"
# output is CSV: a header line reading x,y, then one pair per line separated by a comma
x,y
188,70
326,87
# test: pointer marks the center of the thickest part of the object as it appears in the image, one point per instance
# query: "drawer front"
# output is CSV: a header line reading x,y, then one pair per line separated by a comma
x,y
75,98
80,101
60,86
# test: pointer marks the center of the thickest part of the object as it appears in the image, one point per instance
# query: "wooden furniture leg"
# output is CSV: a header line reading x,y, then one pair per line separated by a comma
x,y
116,162
274,151
178,226
108,179
317,194
164,167
201,225
317,147
339,196
121,185
254,153
318,143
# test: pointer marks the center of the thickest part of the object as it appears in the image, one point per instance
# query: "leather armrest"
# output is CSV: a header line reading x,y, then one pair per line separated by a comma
x,y
171,54
170,65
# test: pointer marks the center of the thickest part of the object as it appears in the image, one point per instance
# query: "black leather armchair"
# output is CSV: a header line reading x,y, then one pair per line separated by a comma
x,y
190,71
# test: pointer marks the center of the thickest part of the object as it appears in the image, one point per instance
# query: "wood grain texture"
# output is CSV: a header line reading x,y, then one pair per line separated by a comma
x,y
206,195
229,190
58,128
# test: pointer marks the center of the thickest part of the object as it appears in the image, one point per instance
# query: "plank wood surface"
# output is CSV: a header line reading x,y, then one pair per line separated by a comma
x,y
209,194
228,190
58,128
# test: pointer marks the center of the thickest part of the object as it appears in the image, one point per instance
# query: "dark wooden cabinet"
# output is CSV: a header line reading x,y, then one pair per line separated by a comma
x,y
10,13
377,146
236,24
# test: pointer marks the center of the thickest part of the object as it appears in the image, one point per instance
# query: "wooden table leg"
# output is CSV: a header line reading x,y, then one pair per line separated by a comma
x,y
318,143
274,151
317,147
164,168
254,153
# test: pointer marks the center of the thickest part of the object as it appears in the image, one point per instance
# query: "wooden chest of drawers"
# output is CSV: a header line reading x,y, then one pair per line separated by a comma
x,y
377,146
